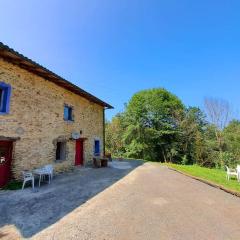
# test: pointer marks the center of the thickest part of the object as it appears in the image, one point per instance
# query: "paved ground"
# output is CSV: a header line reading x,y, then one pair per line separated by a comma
x,y
25,213
151,202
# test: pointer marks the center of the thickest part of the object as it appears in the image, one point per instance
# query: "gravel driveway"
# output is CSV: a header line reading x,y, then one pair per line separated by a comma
x,y
151,202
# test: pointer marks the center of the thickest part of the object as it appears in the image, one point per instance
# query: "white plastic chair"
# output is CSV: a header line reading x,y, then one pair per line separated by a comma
x,y
27,176
49,171
238,172
231,172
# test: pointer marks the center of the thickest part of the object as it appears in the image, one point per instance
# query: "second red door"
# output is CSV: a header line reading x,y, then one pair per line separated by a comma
x,y
79,152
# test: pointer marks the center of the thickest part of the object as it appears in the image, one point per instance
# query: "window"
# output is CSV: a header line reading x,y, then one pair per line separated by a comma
x,y
1,98
96,147
5,91
68,113
61,151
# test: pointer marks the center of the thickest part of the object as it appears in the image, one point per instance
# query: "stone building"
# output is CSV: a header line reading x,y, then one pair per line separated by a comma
x,y
44,119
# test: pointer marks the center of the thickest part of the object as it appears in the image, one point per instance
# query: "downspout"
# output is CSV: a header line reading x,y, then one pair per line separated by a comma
x,y
103,131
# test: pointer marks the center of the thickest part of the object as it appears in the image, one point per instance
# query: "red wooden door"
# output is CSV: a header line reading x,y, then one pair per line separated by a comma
x,y
79,152
5,162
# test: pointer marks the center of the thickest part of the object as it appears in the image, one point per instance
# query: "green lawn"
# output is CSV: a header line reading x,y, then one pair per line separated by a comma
x,y
213,175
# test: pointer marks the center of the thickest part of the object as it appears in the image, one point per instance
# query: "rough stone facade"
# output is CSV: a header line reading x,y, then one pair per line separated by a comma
x,y
36,117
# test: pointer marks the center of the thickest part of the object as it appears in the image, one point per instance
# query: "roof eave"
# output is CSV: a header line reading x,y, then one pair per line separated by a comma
x,y
16,58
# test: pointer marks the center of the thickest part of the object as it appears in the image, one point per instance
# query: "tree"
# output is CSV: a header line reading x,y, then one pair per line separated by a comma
x,y
218,111
151,126
155,125
114,131
231,135
192,126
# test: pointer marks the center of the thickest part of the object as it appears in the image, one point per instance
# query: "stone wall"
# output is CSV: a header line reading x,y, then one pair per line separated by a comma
x,y
36,116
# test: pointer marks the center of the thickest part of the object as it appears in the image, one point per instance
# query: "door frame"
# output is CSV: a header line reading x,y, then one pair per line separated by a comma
x,y
9,145
79,162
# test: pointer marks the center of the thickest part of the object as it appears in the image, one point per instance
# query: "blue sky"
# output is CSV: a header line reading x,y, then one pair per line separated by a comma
x,y
115,48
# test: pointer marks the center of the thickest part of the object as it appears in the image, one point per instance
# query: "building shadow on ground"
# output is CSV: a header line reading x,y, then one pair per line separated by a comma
x,y
32,211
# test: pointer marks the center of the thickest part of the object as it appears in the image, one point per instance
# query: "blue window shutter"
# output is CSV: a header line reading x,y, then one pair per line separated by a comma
x,y
97,147
6,95
65,113
68,113
1,99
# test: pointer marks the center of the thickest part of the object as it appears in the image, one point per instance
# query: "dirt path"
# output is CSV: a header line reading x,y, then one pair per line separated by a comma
x,y
152,202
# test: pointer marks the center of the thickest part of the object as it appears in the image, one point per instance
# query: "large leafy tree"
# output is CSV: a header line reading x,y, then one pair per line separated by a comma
x,y
114,136
150,124
191,138
231,135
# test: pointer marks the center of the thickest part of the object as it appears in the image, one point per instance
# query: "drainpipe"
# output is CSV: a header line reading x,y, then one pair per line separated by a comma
x,y
103,131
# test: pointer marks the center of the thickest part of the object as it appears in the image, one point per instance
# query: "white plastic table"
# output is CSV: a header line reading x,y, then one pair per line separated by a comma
x,y
41,172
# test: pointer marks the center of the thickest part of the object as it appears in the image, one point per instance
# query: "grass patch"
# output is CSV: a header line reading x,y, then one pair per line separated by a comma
x,y
13,185
217,176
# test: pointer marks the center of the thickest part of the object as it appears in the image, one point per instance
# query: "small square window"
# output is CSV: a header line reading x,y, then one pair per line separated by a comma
x,y
5,91
68,113
61,151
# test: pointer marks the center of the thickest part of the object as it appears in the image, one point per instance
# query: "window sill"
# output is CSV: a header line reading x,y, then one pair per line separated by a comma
x,y
4,113
68,121
60,161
